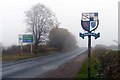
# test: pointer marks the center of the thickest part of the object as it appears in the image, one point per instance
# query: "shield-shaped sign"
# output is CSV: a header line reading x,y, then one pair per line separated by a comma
x,y
89,21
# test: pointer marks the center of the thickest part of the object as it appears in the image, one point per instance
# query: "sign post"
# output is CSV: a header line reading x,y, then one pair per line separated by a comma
x,y
89,23
26,38
31,47
20,40
21,46
89,51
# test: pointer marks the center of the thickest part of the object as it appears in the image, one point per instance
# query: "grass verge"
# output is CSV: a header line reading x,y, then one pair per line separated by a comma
x,y
83,73
21,56
105,64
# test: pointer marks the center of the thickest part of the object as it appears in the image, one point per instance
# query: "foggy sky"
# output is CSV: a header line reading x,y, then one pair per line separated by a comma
x,y
68,13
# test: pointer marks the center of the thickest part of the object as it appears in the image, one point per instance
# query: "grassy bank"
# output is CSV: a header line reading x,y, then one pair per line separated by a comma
x,y
95,65
20,56
105,64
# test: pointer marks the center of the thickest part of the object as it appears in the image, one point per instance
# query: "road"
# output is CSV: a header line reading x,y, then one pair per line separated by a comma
x,y
33,68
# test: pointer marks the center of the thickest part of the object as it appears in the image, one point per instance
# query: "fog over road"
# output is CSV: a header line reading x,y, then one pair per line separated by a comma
x,y
32,68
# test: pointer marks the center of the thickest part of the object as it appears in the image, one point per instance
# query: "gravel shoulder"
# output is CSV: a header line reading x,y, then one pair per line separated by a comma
x,y
69,69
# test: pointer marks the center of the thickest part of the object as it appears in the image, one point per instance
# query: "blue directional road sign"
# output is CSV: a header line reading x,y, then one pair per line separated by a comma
x,y
27,38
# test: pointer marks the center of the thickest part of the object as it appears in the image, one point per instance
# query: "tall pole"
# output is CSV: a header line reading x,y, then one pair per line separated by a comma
x,y
89,52
31,48
89,26
21,46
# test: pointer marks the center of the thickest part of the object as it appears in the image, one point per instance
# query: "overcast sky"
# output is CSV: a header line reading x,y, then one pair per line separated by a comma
x,y
68,13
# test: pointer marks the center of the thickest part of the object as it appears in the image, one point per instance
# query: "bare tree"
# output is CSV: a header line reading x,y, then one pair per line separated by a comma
x,y
117,42
40,20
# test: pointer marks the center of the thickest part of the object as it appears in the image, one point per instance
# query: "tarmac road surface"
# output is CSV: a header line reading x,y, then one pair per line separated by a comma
x,y
32,68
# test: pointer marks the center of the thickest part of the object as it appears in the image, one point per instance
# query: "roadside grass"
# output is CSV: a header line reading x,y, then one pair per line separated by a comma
x,y
16,57
21,56
105,64
83,73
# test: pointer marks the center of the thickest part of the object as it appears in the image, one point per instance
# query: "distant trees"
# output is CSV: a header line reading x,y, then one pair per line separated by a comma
x,y
40,21
16,49
61,38
11,50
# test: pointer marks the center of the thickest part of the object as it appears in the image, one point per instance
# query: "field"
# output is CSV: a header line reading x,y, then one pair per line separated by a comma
x,y
14,53
105,64
21,56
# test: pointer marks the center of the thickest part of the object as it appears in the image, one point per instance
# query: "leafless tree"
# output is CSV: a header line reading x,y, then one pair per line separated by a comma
x,y
40,21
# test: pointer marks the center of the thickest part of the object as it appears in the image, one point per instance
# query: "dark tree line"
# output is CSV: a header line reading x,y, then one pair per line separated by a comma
x,y
61,39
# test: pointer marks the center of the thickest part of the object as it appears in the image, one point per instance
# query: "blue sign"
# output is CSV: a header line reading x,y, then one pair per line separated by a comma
x,y
26,38
89,21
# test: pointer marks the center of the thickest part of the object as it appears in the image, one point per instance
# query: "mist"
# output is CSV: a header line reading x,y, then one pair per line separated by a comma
x,y
68,13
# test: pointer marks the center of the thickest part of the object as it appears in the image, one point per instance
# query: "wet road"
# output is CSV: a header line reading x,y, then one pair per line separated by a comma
x,y
32,68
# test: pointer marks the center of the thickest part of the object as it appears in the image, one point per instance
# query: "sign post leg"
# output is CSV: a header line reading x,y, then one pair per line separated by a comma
x,y
89,51
21,46
31,48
